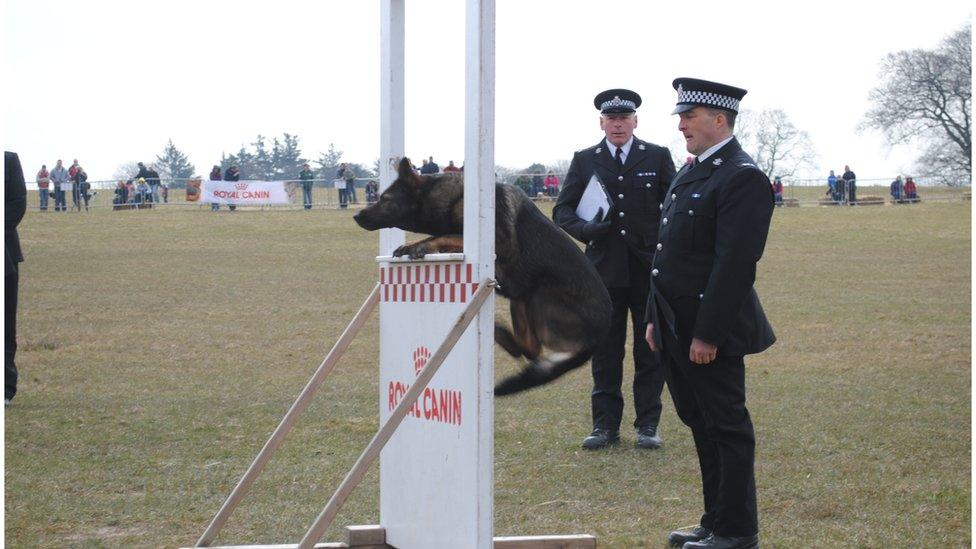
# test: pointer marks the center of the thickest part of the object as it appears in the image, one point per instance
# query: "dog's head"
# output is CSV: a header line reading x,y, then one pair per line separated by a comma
x,y
398,205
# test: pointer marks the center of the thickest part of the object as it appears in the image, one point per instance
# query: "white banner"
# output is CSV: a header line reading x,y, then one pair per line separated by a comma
x,y
245,192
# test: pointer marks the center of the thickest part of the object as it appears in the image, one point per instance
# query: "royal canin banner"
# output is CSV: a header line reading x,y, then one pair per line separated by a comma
x,y
257,193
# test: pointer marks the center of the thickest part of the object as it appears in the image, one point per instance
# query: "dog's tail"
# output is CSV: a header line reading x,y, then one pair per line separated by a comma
x,y
540,372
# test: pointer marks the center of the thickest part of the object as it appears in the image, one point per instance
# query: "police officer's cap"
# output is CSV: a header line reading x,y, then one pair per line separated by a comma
x,y
693,92
617,101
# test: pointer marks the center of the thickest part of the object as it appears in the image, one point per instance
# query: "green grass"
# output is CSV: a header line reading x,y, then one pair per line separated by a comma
x,y
155,361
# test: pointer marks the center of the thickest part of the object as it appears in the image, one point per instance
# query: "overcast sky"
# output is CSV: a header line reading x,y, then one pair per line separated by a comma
x,y
110,82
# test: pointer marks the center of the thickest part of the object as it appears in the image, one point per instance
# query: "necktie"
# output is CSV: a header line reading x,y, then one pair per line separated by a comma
x,y
619,157
695,163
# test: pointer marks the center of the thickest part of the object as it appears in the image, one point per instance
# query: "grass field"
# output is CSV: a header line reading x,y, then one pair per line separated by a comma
x,y
159,349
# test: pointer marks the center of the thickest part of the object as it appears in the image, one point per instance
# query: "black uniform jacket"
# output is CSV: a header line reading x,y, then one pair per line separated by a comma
x,y
636,192
714,222
14,208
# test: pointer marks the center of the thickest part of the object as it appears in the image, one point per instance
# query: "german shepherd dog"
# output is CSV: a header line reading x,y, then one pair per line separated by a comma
x,y
560,307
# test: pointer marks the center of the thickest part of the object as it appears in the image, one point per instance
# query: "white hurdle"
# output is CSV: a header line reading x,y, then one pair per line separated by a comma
x,y
436,439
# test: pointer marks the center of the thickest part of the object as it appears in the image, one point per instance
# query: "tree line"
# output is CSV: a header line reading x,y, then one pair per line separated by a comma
x,y
924,96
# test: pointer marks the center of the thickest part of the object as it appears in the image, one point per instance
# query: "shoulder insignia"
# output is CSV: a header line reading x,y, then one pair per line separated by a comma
x,y
641,147
598,150
717,162
747,164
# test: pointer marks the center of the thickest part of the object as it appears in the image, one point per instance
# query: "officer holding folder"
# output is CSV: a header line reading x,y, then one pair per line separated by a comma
x,y
633,176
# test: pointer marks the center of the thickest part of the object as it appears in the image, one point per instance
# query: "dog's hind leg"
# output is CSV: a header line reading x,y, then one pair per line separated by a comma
x,y
523,342
505,338
524,332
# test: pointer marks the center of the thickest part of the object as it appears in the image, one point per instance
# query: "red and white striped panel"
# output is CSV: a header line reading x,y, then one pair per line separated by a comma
x,y
427,283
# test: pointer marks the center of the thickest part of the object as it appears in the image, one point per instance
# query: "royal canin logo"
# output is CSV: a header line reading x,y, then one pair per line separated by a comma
x,y
420,357
240,186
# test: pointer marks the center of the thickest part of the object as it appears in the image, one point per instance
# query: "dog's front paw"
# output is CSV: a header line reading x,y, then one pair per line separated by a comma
x,y
413,251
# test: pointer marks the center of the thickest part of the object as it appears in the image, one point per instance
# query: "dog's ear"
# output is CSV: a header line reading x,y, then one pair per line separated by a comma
x,y
405,172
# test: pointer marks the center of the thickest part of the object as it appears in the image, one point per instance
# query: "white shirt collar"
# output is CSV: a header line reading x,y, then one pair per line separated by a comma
x,y
711,150
625,148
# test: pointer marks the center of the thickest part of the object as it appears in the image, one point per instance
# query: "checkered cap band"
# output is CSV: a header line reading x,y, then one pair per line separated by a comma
x,y
708,98
618,102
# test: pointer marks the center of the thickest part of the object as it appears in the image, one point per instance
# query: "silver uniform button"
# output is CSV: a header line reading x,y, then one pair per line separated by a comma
x,y
664,221
654,272
673,196
648,185
623,232
659,246
620,178
620,196
701,296
621,214
691,212
661,206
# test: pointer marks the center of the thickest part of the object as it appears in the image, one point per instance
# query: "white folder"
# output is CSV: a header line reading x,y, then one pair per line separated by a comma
x,y
594,197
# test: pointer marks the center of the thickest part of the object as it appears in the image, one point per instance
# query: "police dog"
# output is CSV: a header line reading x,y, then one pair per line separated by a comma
x,y
560,307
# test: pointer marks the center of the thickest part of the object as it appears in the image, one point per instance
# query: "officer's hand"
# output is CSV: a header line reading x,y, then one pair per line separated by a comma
x,y
701,352
594,228
649,336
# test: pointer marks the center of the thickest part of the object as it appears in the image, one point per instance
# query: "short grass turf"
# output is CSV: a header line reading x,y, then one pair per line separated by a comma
x,y
159,349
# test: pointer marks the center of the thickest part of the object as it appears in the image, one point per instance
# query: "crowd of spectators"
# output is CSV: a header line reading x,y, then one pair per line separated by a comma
x,y
903,192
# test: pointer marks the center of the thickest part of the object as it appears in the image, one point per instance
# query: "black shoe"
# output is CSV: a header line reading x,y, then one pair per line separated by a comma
x,y
647,437
722,542
680,537
600,438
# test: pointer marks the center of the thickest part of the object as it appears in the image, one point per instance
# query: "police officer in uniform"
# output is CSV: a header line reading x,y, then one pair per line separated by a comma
x,y
703,313
635,174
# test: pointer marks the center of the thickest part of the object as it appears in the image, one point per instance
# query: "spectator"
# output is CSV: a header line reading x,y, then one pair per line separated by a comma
x,y
537,185
73,169
778,191
43,182
832,186
143,196
77,179
551,184
423,168
215,176
84,188
451,168
850,180
895,189
59,177
350,177
153,181
306,176
164,190
233,173
430,167
911,191
841,191
121,195
340,185
14,207
373,191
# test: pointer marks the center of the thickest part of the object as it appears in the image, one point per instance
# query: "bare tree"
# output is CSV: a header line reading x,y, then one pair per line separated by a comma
x,y
926,95
777,146
125,171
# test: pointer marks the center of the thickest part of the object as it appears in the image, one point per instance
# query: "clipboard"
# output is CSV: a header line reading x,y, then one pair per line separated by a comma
x,y
594,197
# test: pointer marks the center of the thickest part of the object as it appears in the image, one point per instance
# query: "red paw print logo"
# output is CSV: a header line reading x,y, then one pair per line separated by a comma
x,y
420,357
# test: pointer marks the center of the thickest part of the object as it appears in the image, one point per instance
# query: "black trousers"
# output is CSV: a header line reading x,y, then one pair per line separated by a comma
x,y
711,400
10,335
608,360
